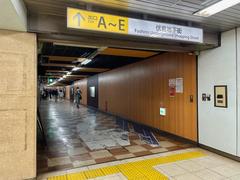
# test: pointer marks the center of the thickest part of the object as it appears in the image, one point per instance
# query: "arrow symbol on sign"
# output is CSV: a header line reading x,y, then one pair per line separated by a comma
x,y
79,17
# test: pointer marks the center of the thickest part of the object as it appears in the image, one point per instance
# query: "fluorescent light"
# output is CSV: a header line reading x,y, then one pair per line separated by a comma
x,y
76,69
69,73
81,59
52,83
86,61
73,45
217,7
60,79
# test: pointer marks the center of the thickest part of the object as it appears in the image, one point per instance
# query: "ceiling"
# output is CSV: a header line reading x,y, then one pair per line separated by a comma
x,y
48,19
57,60
178,11
13,15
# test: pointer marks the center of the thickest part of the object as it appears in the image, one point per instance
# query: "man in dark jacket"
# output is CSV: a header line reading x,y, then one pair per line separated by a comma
x,y
78,97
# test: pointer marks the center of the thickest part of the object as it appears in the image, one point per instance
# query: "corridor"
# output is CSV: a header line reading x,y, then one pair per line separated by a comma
x,y
82,137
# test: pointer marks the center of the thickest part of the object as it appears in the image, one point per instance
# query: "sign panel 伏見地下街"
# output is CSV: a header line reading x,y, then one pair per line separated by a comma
x,y
88,20
164,31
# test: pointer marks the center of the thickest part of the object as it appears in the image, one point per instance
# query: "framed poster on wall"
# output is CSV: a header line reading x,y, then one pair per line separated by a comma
x,y
220,96
172,87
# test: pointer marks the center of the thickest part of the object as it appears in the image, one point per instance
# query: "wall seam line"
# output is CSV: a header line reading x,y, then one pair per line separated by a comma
x,y
237,74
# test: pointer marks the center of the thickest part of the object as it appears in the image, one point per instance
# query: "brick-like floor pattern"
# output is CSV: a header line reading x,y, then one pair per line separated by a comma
x,y
66,149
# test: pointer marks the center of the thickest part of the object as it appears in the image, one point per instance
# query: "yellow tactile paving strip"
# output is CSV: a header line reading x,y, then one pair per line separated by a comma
x,y
142,169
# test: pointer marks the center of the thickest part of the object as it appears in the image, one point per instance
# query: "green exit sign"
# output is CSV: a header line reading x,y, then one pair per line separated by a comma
x,y
50,80
163,111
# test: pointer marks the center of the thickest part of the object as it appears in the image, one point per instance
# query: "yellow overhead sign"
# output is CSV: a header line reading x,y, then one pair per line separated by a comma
x,y
80,19
88,20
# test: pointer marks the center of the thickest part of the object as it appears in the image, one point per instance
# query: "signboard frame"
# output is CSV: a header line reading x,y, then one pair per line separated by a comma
x,y
134,27
223,93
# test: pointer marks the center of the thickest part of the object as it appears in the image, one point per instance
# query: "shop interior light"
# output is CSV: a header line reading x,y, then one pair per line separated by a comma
x,y
216,7
86,61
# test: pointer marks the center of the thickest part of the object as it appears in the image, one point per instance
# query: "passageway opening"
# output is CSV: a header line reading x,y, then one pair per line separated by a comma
x,y
132,104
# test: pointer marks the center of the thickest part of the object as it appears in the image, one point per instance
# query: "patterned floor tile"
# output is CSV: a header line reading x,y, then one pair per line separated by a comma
x,y
65,127
171,166
167,144
106,159
159,150
58,161
135,149
77,151
83,163
142,153
82,157
118,151
207,174
171,169
124,156
100,154
187,176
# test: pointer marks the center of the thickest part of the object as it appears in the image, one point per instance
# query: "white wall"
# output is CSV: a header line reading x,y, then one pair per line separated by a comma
x,y
238,91
217,126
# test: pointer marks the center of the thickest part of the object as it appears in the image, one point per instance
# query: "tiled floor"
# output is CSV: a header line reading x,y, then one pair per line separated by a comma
x,y
203,165
70,132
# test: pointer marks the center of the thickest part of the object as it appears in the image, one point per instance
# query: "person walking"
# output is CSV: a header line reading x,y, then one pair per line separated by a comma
x,y
61,95
78,97
56,95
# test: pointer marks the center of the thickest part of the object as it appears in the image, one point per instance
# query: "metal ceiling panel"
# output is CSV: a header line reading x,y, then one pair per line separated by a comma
x,y
58,59
51,49
180,11
176,9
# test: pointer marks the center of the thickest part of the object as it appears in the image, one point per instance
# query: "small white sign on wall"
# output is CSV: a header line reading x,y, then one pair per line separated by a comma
x,y
163,111
179,85
92,91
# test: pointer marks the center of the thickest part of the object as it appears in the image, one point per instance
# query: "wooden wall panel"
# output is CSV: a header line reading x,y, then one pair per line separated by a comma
x,y
137,91
82,84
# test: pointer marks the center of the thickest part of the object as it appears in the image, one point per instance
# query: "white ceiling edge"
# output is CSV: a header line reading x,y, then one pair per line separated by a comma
x,y
21,11
13,15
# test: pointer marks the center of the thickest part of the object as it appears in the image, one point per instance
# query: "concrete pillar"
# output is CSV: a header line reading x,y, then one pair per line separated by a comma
x,y
18,67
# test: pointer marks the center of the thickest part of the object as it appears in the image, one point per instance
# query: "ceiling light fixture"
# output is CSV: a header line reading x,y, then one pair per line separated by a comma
x,y
216,7
73,45
81,59
52,83
76,69
86,61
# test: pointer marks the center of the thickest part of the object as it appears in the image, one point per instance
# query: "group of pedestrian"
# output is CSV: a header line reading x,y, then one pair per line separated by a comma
x,y
52,94
60,94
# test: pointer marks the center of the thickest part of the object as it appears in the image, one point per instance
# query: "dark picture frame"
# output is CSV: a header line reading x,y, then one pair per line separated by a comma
x,y
220,96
